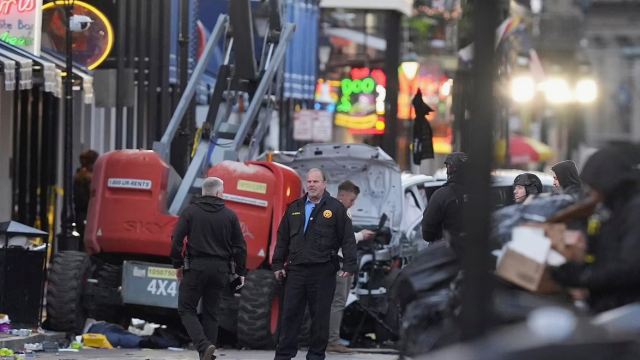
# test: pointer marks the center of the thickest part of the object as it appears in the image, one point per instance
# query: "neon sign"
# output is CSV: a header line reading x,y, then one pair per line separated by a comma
x,y
90,47
16,40
362,103
350,87
20,5
20,24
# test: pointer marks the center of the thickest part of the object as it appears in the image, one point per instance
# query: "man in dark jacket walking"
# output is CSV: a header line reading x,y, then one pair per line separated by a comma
x,y
612,270
311,232
214,238
443,212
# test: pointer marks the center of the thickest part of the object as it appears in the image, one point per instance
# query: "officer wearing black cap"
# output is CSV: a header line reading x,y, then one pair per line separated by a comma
x,y
524,185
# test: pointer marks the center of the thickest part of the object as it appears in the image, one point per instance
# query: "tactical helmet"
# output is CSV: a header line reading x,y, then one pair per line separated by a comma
x,y
531,183
454,162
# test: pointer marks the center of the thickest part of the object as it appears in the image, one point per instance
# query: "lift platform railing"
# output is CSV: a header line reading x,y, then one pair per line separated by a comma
x,y
163,146
221,138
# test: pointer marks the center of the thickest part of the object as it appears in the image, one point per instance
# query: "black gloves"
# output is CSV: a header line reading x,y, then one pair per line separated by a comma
x,y
571,274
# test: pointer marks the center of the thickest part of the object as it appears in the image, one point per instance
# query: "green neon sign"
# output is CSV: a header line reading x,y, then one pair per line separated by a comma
x,y
354,87
16,40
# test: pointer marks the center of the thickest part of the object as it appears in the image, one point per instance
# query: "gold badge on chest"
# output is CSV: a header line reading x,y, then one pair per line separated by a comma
x,y
327,214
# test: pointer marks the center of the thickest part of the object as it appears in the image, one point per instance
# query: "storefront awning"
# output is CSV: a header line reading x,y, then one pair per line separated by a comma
x,y
85,75
25,79
49,74
358,37
9,73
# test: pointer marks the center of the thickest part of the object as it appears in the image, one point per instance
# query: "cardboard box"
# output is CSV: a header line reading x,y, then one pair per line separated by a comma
x,y
524,261
575,246
569,243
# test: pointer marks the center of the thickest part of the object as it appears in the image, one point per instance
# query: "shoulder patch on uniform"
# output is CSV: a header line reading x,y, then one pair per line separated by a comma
x,y
327,214
349,214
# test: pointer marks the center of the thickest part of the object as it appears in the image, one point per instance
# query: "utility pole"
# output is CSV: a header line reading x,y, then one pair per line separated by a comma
x,y
392,63
476,302
67,235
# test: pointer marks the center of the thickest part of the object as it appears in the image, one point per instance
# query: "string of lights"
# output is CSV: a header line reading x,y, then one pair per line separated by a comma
x,y
429,11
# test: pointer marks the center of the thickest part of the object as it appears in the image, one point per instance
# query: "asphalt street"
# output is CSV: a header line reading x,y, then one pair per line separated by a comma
x,y
222,354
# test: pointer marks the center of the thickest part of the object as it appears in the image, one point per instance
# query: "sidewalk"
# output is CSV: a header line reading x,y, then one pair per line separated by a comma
x,y
17,342
222,354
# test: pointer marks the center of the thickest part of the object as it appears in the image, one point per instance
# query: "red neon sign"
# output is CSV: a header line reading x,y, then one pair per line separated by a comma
x,y
21,5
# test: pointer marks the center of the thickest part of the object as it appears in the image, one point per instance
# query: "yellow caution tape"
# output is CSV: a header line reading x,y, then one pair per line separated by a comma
x,y
196,142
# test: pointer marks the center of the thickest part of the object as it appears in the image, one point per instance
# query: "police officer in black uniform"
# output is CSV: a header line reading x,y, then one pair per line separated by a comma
x,y
311,232
443,212
214,238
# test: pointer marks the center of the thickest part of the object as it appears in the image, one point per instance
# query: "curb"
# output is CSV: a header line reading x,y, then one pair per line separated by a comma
x,y
16,343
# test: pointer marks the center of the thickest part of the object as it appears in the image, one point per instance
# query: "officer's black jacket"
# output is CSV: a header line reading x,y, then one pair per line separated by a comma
x,y
328,230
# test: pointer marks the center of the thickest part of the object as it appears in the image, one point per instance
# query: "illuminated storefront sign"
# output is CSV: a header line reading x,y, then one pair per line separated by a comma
x,y
361,106
90,47
20,23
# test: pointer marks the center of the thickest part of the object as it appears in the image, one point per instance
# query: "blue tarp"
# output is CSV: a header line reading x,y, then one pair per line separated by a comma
x,y
300,75
301,60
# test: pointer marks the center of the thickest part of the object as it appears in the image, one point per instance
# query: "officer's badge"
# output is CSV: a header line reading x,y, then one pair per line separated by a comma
x,y
327,214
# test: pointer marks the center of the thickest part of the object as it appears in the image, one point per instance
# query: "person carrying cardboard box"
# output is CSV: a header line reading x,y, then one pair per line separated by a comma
x,y
611,272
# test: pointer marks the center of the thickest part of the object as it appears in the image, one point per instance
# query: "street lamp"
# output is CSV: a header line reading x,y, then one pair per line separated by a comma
x,y
586,91
557,91
68,235
410,65
523,89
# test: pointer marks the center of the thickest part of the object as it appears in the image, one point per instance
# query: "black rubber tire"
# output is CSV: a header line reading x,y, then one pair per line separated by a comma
x,y
254,311
109,278
392,317
228,313
67,274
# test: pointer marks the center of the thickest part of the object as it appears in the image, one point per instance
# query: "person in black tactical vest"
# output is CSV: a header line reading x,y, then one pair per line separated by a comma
x,y
443,212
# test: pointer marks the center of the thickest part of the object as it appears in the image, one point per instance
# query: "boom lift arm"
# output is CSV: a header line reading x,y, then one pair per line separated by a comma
x,y
221,138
